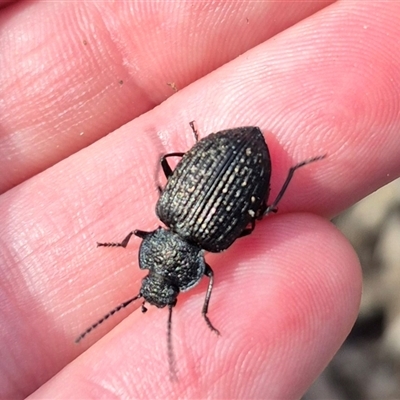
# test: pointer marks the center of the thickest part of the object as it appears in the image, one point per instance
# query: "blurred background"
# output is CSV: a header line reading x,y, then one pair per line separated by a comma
x,y
368,364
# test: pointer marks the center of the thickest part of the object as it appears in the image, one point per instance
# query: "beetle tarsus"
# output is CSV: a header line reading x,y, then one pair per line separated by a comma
x,y
123,244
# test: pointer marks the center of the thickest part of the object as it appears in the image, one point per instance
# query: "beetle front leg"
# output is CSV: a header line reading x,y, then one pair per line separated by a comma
x,y
123,244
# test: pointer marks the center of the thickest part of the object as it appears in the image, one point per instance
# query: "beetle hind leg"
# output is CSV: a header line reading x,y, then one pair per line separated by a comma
x,y
273,207
209,272
248,231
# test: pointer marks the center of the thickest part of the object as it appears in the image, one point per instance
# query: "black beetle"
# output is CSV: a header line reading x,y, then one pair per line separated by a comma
x,y
215,194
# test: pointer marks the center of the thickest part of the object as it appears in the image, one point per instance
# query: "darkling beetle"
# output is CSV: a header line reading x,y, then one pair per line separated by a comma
x,y
214,196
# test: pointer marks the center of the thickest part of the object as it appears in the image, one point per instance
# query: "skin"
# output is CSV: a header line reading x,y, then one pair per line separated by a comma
x,y
285,297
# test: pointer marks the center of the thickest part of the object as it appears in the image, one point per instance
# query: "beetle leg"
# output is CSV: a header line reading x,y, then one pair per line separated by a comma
x,y
248,231
273,206
209,272
123,244
141,234
164,163
195,131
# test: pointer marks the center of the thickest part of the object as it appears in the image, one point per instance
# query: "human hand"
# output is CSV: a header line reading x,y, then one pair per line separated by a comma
x,y
285,297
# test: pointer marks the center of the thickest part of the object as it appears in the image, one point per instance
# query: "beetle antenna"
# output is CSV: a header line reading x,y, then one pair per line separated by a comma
x,y
108,315
171,356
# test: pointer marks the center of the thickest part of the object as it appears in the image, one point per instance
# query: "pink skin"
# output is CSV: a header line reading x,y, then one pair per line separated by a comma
x,y
285,297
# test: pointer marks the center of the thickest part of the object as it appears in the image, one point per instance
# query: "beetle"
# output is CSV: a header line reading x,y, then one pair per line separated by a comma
x,y
215,195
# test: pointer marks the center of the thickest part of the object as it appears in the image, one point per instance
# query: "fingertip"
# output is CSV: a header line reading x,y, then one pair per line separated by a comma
x,y
285,298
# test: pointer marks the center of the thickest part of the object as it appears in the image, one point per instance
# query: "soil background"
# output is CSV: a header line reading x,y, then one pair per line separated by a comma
x,y
368,364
